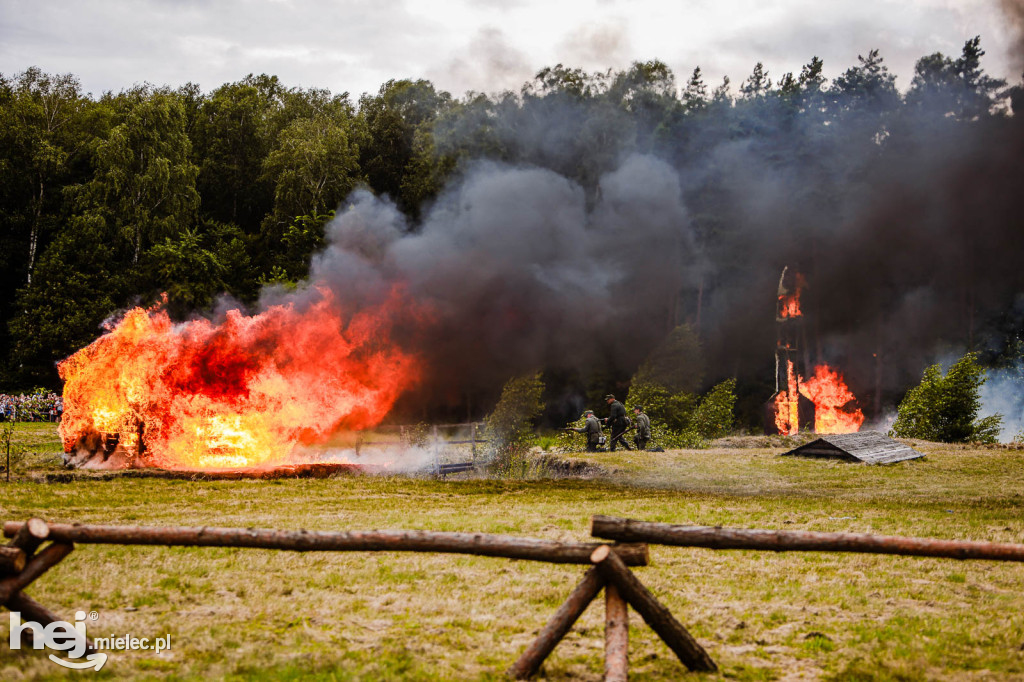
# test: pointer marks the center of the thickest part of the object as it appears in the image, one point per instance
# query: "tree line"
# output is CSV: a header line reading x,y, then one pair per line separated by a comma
x,y
115,200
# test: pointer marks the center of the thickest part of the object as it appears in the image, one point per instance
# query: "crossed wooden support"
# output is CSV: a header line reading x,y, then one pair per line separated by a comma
x,y
621,586
21,564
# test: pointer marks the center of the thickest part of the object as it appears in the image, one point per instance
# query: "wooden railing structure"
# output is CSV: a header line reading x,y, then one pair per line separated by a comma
x,y
25,559
435,440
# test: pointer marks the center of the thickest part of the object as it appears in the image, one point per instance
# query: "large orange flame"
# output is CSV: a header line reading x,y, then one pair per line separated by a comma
x,y
787,404
830,395
241,393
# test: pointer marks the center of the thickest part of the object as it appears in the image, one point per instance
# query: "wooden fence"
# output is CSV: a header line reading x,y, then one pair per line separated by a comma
x,y
21,564
435,441
26,558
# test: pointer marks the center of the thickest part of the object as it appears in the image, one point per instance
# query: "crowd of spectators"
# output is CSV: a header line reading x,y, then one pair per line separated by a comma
x,y
31,407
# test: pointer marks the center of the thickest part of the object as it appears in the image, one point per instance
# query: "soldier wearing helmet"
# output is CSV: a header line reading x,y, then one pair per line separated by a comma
x,y
592,428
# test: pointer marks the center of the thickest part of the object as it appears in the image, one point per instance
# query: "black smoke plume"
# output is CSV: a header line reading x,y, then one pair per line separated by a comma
x,y
563,254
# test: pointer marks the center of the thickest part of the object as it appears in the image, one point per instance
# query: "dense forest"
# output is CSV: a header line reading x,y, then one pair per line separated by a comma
x,y
573,226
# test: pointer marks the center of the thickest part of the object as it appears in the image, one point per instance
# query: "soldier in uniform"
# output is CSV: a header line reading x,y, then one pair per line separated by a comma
x,y
618,421
642,424
592,428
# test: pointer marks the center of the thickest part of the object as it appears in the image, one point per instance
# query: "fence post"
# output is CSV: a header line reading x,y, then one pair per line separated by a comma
x,y
10,434
616,635
436,448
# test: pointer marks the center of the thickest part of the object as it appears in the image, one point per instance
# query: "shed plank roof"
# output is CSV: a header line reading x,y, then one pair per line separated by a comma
x,y
871,447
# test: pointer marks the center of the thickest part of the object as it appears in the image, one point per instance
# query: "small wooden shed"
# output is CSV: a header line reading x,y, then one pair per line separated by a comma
x,y
870,447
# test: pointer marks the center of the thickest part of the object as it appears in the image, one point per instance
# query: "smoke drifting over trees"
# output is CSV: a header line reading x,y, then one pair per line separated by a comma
x,y
521,272
569,227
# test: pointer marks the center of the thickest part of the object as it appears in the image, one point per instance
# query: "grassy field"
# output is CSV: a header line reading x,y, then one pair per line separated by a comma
x,y
254,614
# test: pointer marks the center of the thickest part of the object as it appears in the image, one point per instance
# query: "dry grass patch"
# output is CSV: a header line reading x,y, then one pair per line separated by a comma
x,y
254,614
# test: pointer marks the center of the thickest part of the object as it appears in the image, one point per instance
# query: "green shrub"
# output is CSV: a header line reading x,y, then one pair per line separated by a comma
x,y
567,441
509,428
672,411
684,420
713,417
945,408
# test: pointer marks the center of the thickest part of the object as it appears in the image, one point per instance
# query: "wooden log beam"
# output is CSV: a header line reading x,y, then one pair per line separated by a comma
x,y
568,613
629,530
616,635
35,567
482,544
654,613
12,560
30,609
30,535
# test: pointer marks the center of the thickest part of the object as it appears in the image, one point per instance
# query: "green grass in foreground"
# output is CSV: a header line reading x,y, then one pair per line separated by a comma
x,y
254,614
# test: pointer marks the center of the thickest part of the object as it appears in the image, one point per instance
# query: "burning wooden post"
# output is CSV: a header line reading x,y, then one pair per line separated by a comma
x,y
787,410
822,402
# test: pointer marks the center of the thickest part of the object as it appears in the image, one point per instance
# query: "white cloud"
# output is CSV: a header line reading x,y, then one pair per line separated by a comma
x,y
356,45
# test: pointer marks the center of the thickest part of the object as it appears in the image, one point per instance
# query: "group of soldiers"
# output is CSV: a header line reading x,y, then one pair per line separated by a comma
x,y
619,424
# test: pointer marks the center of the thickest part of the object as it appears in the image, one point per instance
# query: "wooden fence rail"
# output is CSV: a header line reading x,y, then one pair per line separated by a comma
x,y
481,544
713,537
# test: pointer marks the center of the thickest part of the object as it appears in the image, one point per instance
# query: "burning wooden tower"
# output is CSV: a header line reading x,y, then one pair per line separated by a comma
x,y
788,408
822,402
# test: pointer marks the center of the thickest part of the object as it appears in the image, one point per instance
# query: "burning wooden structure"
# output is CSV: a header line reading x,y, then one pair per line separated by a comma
x,y
241,391
788,408
283,471
822,401
439,450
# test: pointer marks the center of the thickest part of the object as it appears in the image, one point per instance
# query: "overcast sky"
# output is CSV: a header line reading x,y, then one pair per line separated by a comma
x,y
487,45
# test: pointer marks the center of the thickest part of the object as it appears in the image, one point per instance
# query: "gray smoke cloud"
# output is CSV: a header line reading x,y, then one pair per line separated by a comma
x,y
488,63
904,221
1003,394
519,271
1014,12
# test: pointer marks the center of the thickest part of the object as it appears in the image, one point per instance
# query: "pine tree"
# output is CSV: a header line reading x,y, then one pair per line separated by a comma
x,y
945,408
